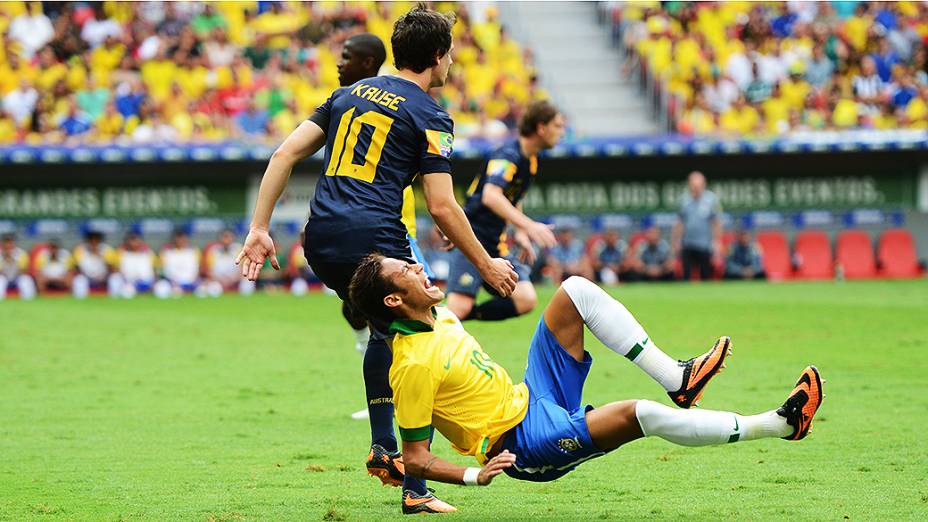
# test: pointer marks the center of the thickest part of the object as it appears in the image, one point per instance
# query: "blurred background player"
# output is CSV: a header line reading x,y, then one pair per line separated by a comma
x,y
95,263
356,208
300,274
180,265
494,202
219,266
652,259
135,264
14,269
567,257
609,258
697,234
744,259
53,268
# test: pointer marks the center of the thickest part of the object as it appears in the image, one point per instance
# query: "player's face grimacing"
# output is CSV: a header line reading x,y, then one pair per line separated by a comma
x,y
440,73
552,132
416,291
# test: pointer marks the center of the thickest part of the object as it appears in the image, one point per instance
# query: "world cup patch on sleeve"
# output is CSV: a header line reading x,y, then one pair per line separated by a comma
x,y
439,142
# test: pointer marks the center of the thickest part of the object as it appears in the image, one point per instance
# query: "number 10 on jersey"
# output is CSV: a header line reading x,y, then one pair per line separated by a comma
x,y
342,161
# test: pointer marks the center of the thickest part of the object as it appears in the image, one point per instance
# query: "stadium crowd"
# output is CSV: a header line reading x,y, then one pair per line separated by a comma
x,y
149,72
771,68
180,267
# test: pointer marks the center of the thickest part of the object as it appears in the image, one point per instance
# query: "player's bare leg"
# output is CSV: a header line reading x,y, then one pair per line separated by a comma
x,y
460,304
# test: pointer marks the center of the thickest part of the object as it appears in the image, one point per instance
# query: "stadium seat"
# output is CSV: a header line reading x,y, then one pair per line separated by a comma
x,y
896,254
814,259
775,252
854,254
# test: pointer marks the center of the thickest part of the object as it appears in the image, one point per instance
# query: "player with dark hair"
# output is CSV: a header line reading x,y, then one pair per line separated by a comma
x,y
379,134
495,201
538,430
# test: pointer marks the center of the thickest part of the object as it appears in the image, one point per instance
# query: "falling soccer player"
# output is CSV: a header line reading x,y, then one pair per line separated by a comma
x,y
538,430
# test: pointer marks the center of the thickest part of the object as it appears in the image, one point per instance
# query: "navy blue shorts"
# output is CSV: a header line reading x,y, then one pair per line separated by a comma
x,y
463,277
553,439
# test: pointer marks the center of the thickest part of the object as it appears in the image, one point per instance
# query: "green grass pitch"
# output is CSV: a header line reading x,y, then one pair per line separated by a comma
x,y
237,409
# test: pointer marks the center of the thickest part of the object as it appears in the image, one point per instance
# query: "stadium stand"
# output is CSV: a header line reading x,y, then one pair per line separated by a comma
x,y
774,68
776,258
155,72
896,254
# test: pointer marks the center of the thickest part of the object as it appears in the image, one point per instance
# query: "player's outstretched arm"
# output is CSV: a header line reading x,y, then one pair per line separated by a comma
x,y
301,143
439,196
421,463
494,199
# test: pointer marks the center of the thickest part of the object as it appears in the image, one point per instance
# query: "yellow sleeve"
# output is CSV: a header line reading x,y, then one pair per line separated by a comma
x,y
23,262
414,388
409,211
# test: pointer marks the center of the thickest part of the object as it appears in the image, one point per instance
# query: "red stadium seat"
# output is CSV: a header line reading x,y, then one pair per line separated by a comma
x,y
896,254
813,255
775,254
854,253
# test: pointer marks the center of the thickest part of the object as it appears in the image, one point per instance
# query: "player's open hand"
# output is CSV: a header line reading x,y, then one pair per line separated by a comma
x,y
258,247
500,275
541,234
527,252
495,466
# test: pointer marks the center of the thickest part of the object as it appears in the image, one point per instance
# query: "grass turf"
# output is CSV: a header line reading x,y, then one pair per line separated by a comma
x,y
237,409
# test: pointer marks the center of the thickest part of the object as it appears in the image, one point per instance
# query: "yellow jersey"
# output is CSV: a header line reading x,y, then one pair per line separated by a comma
x,y
408,216
441,377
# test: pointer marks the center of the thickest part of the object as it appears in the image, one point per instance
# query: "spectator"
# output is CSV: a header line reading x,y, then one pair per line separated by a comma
x,y
884,60
14,269
94,261
299,271
74,123
219,50
868,87
759,89
20,103
698,230
819,69
207,21
135,267
651,259
744,258
32,30
99,27
53,268
180,263
609,258
567,258
253,120
92,100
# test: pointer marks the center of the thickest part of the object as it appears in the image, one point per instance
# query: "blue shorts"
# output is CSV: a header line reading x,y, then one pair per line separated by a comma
x,y
463,277
553,439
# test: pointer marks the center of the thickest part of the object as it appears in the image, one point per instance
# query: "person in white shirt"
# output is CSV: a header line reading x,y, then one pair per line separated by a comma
x,y
96,29
53,268
180,263
14,269
33,30
136,266
219,266
20,103
94,261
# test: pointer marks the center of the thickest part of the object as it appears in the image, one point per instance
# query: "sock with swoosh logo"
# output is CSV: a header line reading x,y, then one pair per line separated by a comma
x,y
707,427
617,328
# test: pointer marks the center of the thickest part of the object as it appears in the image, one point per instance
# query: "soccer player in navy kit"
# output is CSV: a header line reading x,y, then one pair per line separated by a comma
x,y
378,134
493,203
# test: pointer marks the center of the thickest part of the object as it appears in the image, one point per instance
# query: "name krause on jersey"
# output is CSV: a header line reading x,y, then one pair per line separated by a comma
x,y
380,133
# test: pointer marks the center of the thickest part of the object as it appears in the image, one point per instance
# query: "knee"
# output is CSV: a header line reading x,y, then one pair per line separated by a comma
x,y
460,306
525,298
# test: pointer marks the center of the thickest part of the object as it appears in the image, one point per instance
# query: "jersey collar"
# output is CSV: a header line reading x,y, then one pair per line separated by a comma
x,y
411,326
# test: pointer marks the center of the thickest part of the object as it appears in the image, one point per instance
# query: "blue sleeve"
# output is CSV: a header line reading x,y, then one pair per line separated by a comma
x,y
437,143
323,113
501,168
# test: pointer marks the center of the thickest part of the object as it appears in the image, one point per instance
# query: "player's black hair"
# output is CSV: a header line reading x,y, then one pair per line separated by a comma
x,y
369,45
368,287
420,38
9,236
539,112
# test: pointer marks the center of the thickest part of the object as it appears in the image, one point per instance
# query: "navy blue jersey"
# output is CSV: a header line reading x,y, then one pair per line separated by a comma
x,y
511,170
380,133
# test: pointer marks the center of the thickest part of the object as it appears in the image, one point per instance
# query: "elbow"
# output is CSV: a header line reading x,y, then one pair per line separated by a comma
x,y
283,156
439,210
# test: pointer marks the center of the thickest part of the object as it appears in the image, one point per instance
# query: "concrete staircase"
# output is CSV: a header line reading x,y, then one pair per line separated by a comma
x,y
580,67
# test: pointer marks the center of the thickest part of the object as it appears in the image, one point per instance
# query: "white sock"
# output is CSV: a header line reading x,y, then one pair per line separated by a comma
x,y
114,284
80,286
299,287
361,337
707,427
616,328
3,286
246,287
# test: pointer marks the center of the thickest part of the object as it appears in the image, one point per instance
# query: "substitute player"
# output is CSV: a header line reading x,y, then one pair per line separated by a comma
x,y
379,134
538,430
494,201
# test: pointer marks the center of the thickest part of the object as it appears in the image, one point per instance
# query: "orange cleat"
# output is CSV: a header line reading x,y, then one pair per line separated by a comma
x,y
698,371
413,503
385,465
802,403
